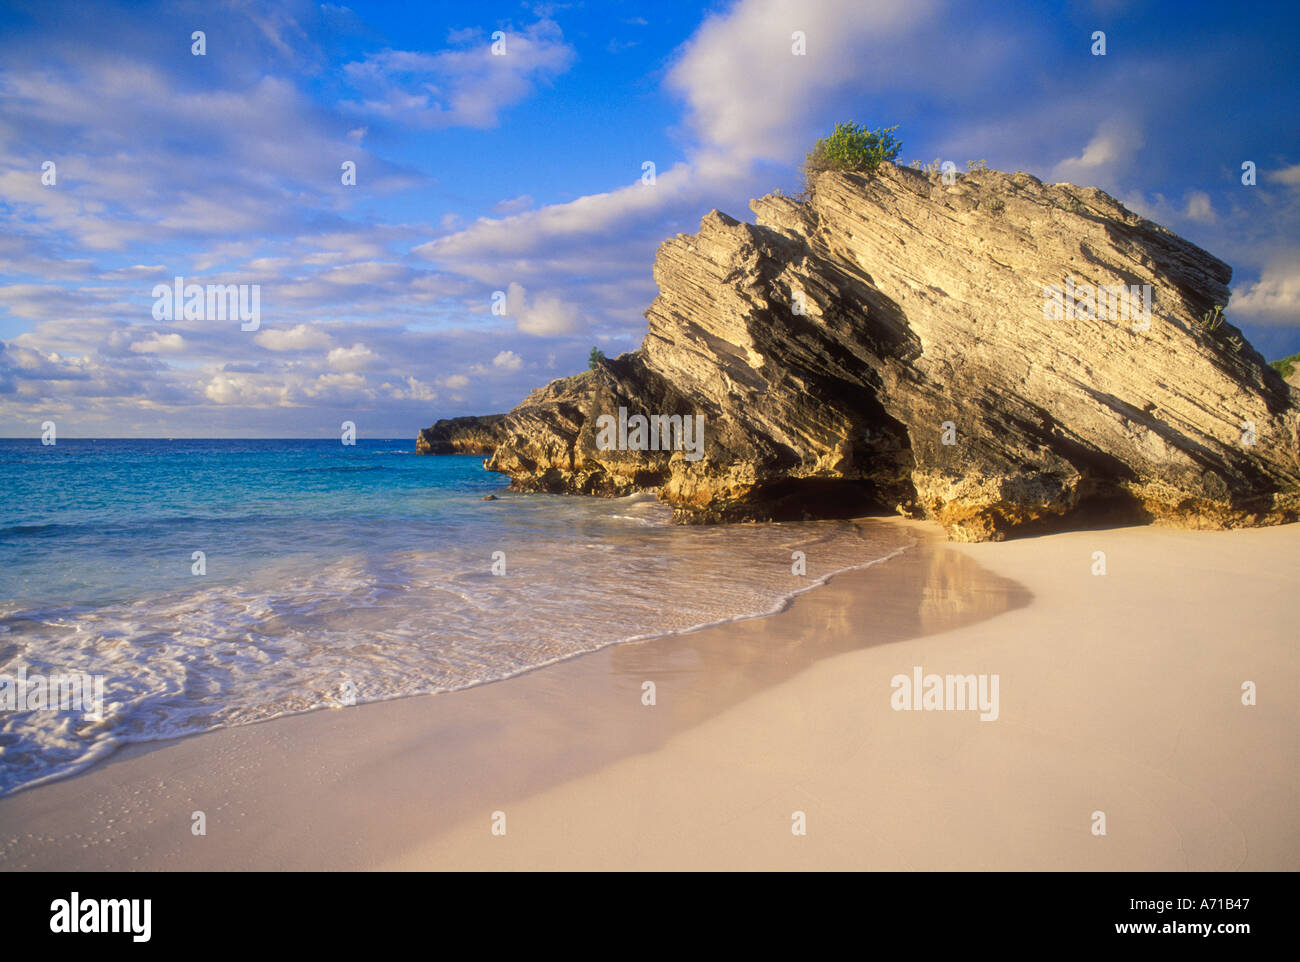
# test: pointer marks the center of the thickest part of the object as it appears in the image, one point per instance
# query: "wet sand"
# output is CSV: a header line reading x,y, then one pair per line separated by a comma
x,y
1118,693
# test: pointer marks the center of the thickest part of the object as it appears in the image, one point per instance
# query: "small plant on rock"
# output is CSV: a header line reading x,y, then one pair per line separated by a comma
x,y
1286,366
854,148
1211,320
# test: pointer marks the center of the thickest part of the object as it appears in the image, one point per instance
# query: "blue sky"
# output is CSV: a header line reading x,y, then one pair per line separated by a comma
x,y
522,173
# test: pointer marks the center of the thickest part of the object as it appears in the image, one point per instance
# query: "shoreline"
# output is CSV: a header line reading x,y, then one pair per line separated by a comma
x,y
106,753
759,718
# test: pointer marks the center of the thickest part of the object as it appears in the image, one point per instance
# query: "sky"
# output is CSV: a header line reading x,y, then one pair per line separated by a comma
x,y
500,153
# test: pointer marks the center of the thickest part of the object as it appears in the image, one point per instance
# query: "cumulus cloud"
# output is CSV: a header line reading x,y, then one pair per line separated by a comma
x,y
338,386
545,315
239,388
1199,207
415,390
160,344
1290,176
508,361
1275,297
358,357
848,42
300,337
1108,154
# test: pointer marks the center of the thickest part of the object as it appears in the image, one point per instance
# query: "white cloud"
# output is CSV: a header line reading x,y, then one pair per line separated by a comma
x,y
514,205
455,382
508,361
349,245
1111,150
148,271
416,390
372,272
1199,207
466,87
127,197
546,316
1287,175
338,387
850,43
300,337
358,357
1275,297
588,215
160,344
244,389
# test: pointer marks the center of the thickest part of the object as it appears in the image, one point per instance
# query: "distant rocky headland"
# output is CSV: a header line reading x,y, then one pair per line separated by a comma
x,y
994,353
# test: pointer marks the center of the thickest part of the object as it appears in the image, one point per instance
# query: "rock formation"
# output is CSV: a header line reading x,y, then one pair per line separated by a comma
x,y
470,435
889,342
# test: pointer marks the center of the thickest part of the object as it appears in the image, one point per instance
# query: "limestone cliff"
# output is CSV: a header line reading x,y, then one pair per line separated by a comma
x,y
468,435
889,342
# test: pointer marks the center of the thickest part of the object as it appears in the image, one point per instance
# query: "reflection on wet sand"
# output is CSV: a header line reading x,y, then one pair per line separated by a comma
x,y
924,591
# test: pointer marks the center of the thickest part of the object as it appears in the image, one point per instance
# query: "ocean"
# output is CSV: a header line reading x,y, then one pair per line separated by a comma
x,y
332,575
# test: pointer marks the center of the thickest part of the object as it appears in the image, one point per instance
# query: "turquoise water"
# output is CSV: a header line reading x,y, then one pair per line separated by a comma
x,y
333,573
100,520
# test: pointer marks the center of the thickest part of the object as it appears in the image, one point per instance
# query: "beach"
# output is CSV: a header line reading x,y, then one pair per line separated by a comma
x,y
1118,693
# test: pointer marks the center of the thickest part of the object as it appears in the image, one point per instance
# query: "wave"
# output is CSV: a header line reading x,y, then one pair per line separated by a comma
x,y
285,640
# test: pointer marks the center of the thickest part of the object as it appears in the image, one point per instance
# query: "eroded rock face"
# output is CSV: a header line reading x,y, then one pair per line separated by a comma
x,y
468,435
885,343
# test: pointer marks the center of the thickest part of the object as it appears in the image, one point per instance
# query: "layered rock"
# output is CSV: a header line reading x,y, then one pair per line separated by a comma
x,y
467,435
885,343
